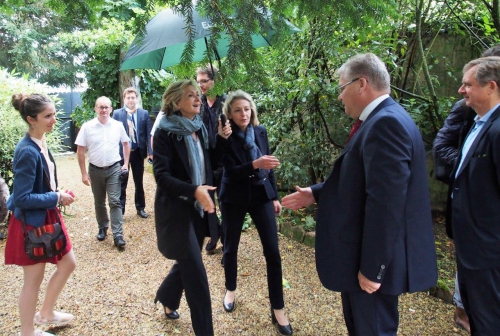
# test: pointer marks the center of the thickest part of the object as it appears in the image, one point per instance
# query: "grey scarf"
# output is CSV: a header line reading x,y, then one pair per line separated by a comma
x,y
183,127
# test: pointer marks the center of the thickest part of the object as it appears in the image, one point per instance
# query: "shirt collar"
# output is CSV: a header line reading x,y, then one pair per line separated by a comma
x,y
487,116
370,107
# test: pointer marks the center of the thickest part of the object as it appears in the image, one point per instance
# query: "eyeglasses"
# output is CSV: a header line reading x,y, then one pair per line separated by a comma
x,y
204,81
341,88
103,107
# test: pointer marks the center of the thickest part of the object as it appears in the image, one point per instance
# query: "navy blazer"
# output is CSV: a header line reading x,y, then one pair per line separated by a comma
x,y
473,219
174,201
32,192
238,171
143,129
374,212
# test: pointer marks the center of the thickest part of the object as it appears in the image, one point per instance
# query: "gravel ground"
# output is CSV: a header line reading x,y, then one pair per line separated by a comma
x,y
112,292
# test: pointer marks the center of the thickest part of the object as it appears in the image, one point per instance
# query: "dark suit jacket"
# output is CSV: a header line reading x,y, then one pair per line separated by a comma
x,y
238,172
374,212
143,126
474,214
174,202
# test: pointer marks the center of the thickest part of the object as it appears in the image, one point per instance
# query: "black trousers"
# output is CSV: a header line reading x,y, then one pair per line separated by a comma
x,y
370,314
189,275
261,210
136,164
480,293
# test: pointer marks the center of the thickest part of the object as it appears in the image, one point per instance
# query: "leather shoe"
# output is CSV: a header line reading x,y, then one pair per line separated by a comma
x,y
119,242
173,315
228,307
102,234
284,330
142,213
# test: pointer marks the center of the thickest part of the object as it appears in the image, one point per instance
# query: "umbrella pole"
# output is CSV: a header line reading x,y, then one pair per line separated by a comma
x,y
209,58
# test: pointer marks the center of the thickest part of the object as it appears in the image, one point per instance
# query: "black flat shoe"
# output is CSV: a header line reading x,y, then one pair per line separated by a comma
x,y
284,330
228,307
173,315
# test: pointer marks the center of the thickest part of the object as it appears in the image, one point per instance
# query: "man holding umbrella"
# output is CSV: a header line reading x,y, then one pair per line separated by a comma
x,y
210,112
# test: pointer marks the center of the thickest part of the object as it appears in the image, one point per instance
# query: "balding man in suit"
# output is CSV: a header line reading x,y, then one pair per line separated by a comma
x,y
374,237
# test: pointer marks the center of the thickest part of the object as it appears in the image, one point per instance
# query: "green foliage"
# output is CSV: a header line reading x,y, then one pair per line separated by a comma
x,y
153,85
29,43
100,48
12,126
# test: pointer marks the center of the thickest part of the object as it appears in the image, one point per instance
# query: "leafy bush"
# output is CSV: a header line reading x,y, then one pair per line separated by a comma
x,y
12,126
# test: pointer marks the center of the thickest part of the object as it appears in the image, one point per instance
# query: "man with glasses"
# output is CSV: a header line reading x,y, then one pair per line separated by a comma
x,y
101,136
210,111
137,123
374,234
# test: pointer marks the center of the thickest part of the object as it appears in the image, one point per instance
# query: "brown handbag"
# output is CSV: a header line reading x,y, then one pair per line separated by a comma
x,y
44,242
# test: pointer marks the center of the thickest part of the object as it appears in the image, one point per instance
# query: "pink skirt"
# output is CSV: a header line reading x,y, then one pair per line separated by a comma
x,y
14,248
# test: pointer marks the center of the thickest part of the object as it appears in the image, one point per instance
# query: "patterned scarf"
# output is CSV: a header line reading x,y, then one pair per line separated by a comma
x,y
252,150
183,127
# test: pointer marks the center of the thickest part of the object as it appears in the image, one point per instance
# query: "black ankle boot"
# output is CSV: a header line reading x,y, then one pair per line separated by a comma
x,y
284,330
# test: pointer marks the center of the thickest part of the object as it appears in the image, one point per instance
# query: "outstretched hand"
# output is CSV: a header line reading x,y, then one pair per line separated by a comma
x,y
300,199
203,197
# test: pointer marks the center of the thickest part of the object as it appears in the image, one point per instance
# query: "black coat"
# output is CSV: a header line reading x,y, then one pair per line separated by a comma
x,y
449,139
174,202
239,172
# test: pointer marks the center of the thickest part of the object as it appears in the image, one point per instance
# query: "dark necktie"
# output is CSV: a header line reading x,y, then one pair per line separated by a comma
x,y
354,128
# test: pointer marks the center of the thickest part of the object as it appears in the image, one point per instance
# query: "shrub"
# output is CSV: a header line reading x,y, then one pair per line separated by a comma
x,y
12,126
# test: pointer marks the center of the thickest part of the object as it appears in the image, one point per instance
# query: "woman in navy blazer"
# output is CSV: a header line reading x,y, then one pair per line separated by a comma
x,y
248,186
35,195
184,202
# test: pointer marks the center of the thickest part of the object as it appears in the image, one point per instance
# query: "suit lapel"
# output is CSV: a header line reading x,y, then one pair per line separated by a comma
x,y
259,139
478,139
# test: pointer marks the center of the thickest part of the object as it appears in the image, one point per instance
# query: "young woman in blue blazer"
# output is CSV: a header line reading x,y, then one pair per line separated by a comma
x,y
36,196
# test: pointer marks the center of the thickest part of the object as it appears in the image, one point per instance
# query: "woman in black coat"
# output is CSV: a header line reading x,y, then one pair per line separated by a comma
x,y
184,202
248,186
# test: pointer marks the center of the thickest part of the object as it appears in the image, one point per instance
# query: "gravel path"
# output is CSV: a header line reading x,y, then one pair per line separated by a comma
x,y
111,292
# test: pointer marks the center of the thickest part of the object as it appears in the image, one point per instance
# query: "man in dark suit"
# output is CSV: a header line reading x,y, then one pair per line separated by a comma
x,y
374,237
474,197
138,126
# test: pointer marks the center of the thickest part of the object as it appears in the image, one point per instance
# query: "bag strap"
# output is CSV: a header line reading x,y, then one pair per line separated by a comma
x,y
24,224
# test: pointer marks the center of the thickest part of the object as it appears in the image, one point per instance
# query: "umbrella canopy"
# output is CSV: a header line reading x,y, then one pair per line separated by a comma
x,y
165,39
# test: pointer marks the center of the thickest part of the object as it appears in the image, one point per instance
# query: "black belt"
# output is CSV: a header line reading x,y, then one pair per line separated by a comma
x,y
105,167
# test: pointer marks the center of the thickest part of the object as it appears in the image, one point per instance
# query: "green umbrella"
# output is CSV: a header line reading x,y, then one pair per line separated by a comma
x,y
165,39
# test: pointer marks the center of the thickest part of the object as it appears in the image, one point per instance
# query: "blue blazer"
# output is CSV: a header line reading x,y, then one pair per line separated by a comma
x,y
143,129
239,172
32,192
374,212
473,214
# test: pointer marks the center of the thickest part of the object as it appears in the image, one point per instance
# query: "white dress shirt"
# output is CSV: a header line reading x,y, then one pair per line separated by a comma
x,y
102,141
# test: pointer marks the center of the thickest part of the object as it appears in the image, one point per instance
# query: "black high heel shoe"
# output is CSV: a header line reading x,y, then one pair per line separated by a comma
x,y
173,315
228,307
284,330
